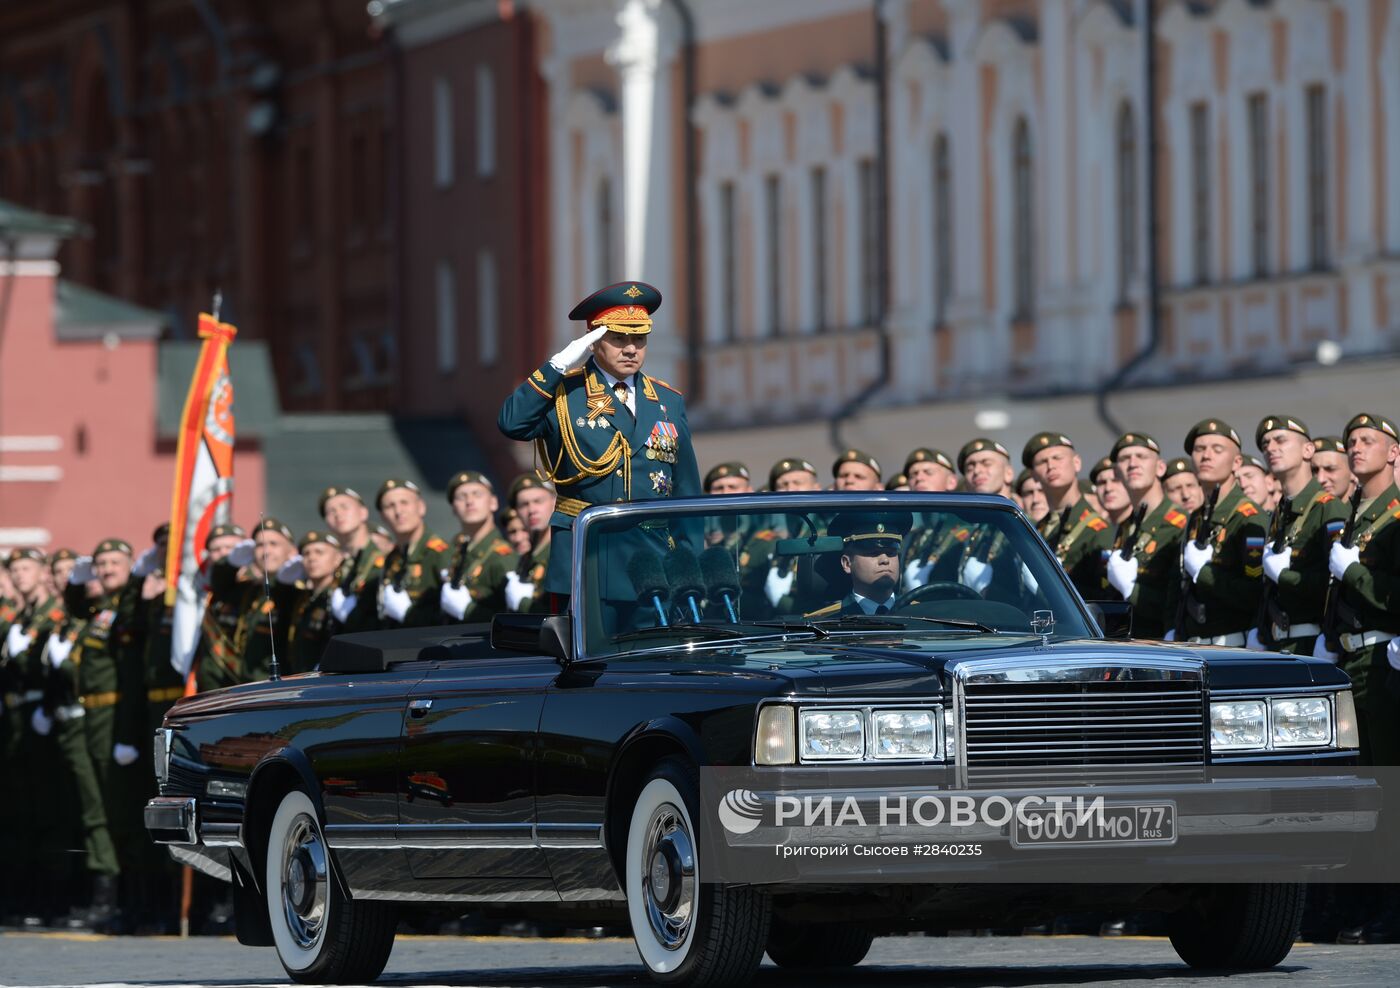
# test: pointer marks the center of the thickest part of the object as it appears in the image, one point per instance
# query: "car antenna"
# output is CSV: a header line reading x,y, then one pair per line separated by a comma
x,y
273,674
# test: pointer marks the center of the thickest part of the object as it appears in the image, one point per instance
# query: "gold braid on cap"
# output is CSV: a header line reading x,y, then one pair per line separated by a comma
x,y
618,453
624,316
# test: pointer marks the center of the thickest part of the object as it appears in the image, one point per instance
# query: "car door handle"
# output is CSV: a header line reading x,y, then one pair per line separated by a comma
x,y
419,708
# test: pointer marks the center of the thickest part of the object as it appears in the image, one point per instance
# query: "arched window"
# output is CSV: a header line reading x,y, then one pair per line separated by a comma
x,y
1127,200
1023,231
604,249
942,228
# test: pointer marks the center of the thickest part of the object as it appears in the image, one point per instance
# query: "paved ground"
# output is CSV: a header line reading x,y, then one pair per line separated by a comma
x,y
957,962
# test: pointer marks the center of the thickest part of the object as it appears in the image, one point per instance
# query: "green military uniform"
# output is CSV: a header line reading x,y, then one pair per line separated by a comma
x,y
482,566
1081,540
1292,614
1156,545
311,629
216,661
531,569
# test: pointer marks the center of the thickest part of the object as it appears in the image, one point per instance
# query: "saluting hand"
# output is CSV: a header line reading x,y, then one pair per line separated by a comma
x,y
292,572
576,354
146,563
342,604
242,554
82,571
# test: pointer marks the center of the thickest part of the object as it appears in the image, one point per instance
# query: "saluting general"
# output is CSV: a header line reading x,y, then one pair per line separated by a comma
x,y
603,431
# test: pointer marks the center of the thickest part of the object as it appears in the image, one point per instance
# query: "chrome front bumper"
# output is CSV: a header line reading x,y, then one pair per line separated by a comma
x,y
172,820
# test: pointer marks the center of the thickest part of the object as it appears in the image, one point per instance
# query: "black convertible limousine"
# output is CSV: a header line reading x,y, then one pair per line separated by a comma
x,y
562,766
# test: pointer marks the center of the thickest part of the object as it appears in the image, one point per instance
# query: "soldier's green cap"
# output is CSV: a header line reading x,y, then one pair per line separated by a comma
x,y
1106,463
37,555
465,477
1086,486
1021,479
1211,427
1130,439
856,456
271,524
112,545
162,532
976,446
1182,464
59,555
219,531
897,481
394,484
1043,440
722,470
331,492
1329,444
923,455
1254,461
788,466
863,526
525,482
382,530
1272,423
311,538
1369,420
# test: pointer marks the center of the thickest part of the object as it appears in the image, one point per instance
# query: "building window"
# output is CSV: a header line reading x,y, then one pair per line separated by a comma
x,y
485,121
821,315
442,133
869,246
446,318
1259,183
942,228
488,321
1127,200
1200,191
728,285
773,225
604,250
1318,250
1023,231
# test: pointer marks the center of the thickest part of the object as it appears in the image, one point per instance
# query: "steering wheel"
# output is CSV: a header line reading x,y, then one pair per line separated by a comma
x,y
944,590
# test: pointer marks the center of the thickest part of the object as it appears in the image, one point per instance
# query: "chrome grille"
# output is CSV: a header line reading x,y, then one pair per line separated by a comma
x,y
182,781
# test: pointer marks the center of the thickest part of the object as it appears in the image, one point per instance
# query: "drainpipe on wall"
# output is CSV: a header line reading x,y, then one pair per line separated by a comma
x,y
882,225
694,372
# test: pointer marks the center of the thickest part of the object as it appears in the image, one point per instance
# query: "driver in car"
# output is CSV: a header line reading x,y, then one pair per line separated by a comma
x,y
872,544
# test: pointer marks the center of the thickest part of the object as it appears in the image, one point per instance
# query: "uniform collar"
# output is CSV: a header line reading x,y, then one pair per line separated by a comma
x,y
868,606
630,380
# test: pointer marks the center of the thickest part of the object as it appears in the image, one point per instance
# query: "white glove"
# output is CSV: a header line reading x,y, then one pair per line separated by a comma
x,y
576,354
1122,573
776,587
124,754
1196,559
518,592
17,641
242,554
976,575
1392,653
341,604
396,602
1341,558
1276,562
146,563
916,574
82,571
291,572
58,649
1031,584
1170,636
455,601
40,722
1252,642
1320,650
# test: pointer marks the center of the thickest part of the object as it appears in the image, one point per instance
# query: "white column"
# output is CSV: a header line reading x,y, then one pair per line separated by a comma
x,y
556,73
1354,257
1059,335
967,313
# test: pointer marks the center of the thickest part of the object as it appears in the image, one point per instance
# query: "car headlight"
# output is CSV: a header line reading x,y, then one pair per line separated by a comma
x,y
774,744
1237,725
1348,734
828,735
904,734
1304,722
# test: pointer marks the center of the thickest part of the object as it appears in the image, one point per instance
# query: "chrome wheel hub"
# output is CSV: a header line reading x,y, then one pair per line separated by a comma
x,y
668,884
304,875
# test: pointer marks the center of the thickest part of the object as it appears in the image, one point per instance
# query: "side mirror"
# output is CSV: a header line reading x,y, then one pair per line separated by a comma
x,y
557,638
1115,617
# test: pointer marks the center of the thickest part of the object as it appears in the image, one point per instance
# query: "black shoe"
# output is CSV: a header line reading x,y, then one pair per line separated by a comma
x,y
1385,928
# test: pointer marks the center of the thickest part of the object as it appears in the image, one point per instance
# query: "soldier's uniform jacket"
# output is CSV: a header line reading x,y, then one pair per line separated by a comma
x,y
597,452
1157,547
1314,521
416,570
107,663
218,657
164,685
22,676
1371,591
1224,600
482,568
1081,546
356,569
254,636
311,628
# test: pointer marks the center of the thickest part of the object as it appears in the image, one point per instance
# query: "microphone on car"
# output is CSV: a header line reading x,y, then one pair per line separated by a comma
x,y
687,585
645,571
721,579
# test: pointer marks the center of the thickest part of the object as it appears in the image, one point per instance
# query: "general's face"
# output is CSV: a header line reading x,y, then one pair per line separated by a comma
x,y
1184,490
345,514
988,472
112,570
873,565
1056,467
851,476
25,574
474,503
403,510
222,546
321,560
733,484
271,549
925,475
1138,467
1112,495
1370,451
1216,458
620,354
1285,450
797,480
535,505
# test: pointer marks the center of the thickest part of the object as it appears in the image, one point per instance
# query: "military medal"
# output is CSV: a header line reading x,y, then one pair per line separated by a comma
x,y
581,422
661,483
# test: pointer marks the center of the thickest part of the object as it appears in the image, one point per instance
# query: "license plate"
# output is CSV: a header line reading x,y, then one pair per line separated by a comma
x,y
1145,823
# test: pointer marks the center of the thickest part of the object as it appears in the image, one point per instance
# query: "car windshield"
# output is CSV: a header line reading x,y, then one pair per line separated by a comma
x,y
668,574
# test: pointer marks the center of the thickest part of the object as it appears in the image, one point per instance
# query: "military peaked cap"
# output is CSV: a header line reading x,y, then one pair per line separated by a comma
x,y
625,307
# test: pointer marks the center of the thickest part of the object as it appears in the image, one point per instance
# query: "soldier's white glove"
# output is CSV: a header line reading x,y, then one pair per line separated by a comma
x,y
1252,642
1276,562
396,602
124,754
916,574
1031,584
146,563
1122,573
1170,636
1341,558
16,641
58,650
342,604
292,572
776,587
1320,650
576,354
242,554
518,592
1195,559
81,572
455,601
976,575
40,722
1392,653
